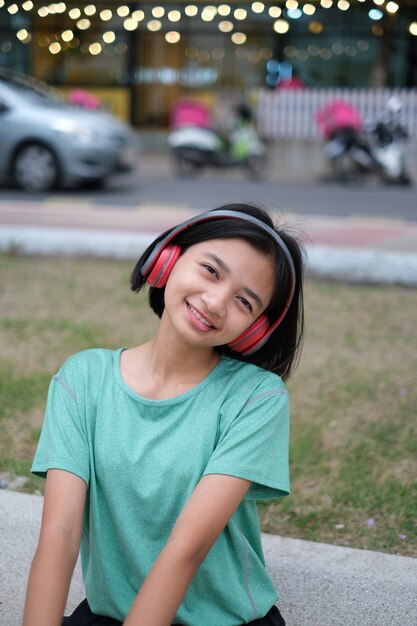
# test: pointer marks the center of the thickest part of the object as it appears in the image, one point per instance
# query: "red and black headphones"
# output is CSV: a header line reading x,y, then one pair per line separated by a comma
x,y
163,257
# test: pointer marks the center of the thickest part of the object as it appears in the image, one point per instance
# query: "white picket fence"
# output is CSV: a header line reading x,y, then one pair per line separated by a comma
x,y
290,114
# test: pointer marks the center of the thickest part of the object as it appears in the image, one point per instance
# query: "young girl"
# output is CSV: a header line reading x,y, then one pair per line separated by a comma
x,y
154,456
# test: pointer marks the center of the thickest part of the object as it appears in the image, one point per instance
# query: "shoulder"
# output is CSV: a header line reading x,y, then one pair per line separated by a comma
x,y
251,377
82,375
91,362
247,385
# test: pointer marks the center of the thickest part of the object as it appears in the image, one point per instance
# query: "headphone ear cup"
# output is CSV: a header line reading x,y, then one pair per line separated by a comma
x,y
163,266
250,339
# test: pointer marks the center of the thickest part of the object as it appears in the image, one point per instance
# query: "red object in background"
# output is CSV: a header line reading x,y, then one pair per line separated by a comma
x,y
190,113
82,98
292,83
337,115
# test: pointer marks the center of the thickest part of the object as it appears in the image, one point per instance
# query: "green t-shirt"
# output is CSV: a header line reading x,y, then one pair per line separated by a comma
x,y
141,459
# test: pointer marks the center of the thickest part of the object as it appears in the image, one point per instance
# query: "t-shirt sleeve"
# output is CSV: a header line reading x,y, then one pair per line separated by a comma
x,y
254,445
63,443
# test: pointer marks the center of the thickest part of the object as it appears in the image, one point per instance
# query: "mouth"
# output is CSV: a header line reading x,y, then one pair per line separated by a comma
x,y
203,320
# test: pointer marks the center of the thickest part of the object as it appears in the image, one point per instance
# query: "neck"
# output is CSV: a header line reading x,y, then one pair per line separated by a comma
x,y
172,361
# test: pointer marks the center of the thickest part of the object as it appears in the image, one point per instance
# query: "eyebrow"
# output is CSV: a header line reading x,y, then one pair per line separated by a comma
x,y
226,269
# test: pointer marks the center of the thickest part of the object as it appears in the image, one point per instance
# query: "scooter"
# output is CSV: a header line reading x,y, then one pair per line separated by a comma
x,y
355,151
196,147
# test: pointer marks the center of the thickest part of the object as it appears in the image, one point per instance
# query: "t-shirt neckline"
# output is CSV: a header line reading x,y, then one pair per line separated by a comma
x,y
167,401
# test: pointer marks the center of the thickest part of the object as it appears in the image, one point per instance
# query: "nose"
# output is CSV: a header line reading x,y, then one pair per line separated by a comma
x,y
215,301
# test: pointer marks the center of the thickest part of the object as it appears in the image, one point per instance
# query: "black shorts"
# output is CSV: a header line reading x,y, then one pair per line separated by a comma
x,y
83,616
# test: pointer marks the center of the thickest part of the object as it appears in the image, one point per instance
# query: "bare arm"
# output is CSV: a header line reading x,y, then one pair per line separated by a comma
x,y
57,550
203,518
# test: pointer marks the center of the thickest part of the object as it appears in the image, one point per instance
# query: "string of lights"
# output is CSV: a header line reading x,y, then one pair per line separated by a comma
x,y
169,19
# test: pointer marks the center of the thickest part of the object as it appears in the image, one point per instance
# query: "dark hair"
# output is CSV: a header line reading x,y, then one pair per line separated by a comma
x,y
281,352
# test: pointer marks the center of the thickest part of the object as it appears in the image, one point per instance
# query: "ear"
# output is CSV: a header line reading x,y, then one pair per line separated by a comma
x,y
163,266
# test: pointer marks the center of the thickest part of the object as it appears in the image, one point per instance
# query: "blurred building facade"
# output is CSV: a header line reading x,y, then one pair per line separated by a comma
x,y
139,58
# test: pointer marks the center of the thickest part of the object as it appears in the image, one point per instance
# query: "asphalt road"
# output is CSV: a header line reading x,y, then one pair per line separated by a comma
x,y
155,184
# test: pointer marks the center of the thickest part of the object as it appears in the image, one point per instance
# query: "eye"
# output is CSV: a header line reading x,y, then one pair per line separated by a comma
x,y
210,269
246,303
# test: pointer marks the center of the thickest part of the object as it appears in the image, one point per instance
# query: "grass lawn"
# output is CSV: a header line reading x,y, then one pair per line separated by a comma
x,y
354,395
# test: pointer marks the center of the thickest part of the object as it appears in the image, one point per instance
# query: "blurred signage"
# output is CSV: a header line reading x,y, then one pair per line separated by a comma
x,y
189,76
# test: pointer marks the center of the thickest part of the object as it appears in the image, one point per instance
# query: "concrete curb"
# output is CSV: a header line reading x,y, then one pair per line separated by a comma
x,y
73,242
363,266
339,263
20,516
319,584
325,585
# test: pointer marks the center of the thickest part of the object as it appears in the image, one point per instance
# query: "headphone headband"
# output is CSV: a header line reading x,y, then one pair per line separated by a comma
x,y
210,215
152,260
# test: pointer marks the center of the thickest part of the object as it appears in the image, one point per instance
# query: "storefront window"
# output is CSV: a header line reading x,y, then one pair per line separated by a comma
x,y
15,40
200,65
160,52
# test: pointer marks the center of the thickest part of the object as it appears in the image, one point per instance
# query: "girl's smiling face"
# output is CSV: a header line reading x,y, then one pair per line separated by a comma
x,y
216,290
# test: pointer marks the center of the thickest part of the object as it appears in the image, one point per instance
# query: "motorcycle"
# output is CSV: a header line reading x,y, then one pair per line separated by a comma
x,y
194,147
356,151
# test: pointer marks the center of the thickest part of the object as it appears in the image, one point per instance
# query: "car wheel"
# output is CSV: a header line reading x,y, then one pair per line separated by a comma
x,y
35,168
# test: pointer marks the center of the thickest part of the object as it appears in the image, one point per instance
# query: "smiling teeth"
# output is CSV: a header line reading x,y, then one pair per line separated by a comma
x,y
198,316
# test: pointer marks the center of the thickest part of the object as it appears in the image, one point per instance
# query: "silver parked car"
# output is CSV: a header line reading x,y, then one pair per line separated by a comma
x,y
46,143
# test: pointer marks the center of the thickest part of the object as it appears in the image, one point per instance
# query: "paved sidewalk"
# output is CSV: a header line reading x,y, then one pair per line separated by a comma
x,y
357,249
319,584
